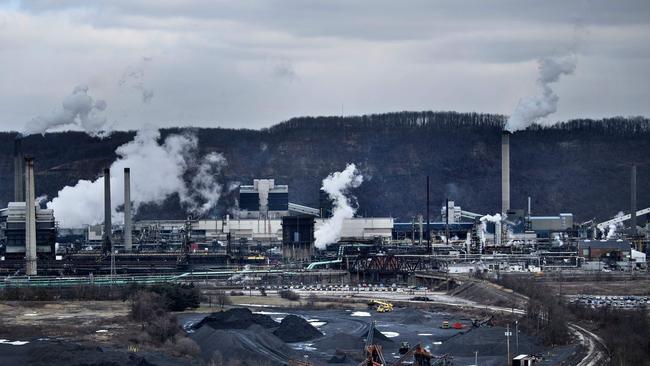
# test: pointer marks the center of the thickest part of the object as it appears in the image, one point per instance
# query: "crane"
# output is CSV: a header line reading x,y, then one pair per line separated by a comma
x,y
421,357
605,224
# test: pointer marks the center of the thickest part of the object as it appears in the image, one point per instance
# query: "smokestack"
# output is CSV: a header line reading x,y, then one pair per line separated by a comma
x,y
428,220
127,210
505,172
107,211
633,200
30,220
447,221
19,177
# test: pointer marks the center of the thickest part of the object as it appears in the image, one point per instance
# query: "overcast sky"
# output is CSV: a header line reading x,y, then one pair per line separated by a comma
x,y
255,63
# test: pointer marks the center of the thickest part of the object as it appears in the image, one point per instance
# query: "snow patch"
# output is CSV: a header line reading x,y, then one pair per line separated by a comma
x,y
360,313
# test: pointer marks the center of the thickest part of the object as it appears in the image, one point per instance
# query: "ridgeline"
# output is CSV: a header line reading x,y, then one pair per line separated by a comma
x,y
580,166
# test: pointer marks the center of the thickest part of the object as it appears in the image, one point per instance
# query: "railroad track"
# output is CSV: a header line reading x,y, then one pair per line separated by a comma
x,y
597,353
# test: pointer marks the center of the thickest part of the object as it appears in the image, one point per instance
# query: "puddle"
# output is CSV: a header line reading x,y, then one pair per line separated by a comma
x,y
303,347
13,343
360,313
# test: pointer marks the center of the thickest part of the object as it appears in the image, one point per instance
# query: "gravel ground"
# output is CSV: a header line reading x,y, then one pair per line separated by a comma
x,y
48,352
345,333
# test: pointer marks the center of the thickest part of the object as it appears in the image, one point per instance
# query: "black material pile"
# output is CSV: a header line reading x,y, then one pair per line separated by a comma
x,y
296,329
239,335
250,347
378,337
237,318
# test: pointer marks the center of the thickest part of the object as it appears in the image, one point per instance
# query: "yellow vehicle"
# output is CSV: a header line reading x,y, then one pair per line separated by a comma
x,y
382,306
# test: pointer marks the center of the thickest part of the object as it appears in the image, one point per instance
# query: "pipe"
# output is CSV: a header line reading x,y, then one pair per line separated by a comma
x,y
19,175
108,227
505,172
128,243
30,220
633,200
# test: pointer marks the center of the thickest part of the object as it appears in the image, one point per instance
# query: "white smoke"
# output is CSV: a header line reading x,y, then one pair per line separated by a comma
x,y
134,76
611,232
41,200
531,109
80,110
337,185
613,227
203,184
157,172
483,229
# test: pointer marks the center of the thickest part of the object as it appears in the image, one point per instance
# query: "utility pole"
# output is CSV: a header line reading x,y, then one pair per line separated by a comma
x,y
475,358
517,336
508,334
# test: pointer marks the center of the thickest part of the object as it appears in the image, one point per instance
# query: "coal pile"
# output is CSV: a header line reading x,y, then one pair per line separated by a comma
x,y
378,337
253,346
59,352
250,339
237,318
296,329
340,341
487,341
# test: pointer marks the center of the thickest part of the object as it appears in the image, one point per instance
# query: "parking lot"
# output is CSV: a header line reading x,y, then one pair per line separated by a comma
x,y
344,288
618,302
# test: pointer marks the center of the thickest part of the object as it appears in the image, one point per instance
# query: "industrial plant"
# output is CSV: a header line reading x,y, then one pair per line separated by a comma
x,y
267,243
267,229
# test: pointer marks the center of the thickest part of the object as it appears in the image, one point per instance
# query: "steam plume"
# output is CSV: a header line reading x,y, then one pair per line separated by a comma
x,y
203,184
611,233
531,109
337,185
484,220
134,76
79,109
157,172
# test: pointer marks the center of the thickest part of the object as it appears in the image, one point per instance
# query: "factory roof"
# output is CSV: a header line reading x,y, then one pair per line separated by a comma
x,y
622,245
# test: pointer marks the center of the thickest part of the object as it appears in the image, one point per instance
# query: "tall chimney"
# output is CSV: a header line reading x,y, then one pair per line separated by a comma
x,y
505,172
106,244
30,220
127,210
19,177
428,220
633,200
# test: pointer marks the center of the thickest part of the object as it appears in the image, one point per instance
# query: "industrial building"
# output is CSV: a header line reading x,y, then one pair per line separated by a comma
x,y
264,199
12,231
605,250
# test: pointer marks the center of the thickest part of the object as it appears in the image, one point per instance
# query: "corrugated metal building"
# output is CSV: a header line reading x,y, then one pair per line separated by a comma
x,y
12,231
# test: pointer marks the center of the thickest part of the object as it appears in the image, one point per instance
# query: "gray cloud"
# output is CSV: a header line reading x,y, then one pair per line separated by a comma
x,y
227,62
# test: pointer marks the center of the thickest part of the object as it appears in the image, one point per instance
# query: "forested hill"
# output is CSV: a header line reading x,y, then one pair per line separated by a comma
x,y
581,166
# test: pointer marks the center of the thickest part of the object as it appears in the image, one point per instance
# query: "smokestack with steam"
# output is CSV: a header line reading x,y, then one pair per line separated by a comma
x,y
505,172
534,109
19,176
127,210
633,200
30,220
159,168
337,185
106,245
